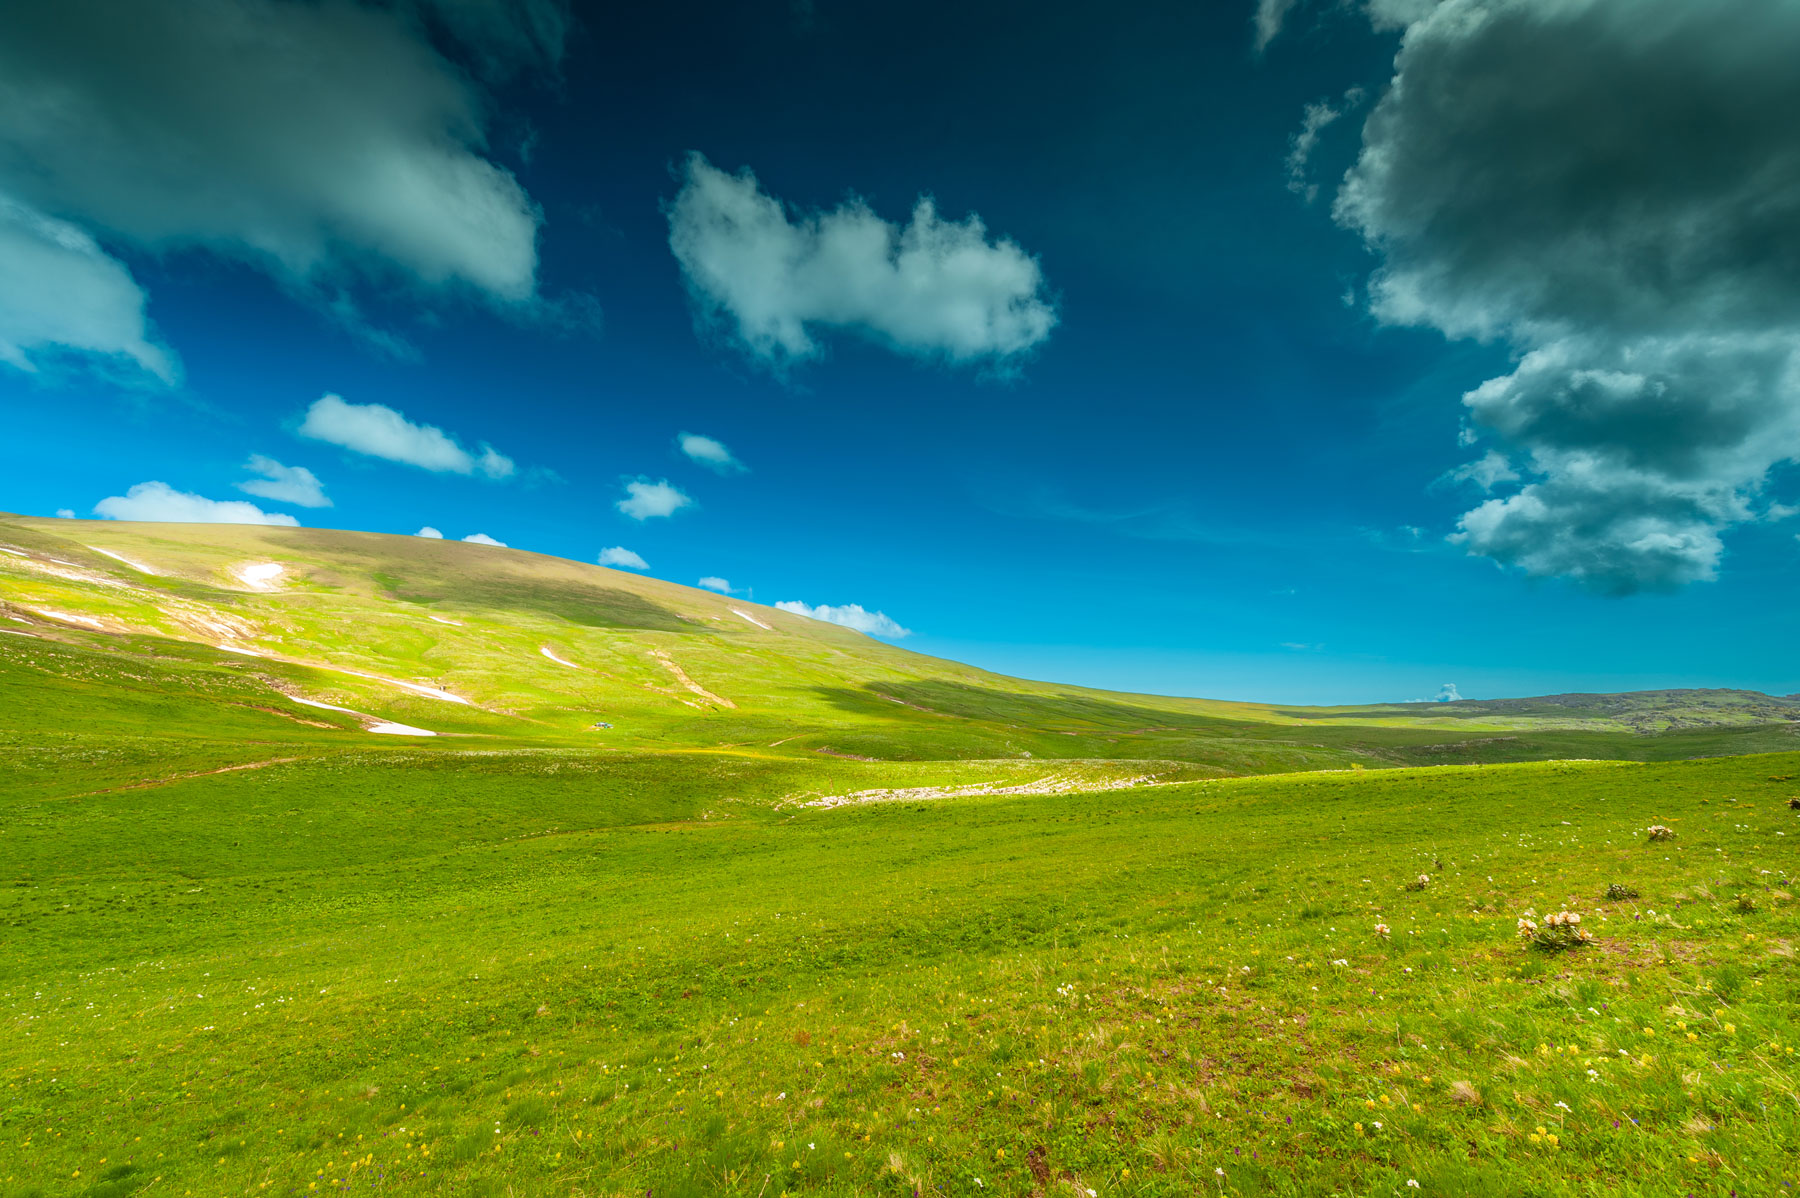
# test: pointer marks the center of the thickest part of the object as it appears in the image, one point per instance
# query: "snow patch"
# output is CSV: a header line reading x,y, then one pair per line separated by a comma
x,y
66,617
441,620
746,615
386,727
323,706
259,576
140,567
559,661
14,552
239,649
417,688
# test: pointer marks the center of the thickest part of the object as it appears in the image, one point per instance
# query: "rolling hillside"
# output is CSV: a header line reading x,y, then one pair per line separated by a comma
x,y
159,633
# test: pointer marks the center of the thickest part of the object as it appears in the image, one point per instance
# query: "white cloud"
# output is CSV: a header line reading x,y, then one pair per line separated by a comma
x,y
622,558
1487,471
159,501
429,533
1268,20
713,582
1447,694
61,293
709,453
284,484
481,538
381,432
324,142
644,499
64,513
850,615
1531,175
931,289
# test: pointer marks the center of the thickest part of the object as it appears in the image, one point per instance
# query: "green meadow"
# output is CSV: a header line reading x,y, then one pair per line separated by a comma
x,y
815,915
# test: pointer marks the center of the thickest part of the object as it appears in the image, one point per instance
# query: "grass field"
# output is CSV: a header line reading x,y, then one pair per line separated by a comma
x,y
246,947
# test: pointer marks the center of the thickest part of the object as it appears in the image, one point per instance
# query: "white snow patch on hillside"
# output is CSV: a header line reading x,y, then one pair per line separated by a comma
x,y
325,706
260,576
559,661
66,617
441,620
140,567
417,688
386,727
746,615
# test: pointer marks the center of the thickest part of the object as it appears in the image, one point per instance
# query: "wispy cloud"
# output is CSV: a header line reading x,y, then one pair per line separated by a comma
x,y
381,432
710,453
61,293
159,501
713,582
645,500
850,615
481,538
284,484
622,558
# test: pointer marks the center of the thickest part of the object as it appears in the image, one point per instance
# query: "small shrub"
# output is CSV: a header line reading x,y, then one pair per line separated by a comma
x,y
1619,892
1560,932
1794,802
1745,903
1660,832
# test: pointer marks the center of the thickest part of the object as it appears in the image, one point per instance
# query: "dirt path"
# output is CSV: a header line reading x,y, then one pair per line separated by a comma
x,y
689,683
173,778
1053,784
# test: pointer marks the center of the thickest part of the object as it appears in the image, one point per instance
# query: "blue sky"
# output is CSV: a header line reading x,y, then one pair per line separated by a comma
x,y
1184,413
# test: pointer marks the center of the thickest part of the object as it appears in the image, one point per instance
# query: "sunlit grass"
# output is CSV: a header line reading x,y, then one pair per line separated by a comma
x,y
375,974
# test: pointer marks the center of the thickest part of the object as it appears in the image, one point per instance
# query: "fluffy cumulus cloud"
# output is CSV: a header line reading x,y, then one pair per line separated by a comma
x,y
645,499
429,533
709,453
481,538
380,432
284,484
61,293
160,501
621,558
774,277
713,582
1611,187
850,615
331,144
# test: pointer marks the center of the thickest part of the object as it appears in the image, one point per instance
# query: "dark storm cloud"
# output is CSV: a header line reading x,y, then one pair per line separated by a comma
x,y
329,143
1613,188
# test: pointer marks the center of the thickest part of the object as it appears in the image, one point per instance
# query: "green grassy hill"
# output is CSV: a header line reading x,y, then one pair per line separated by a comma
x,y
817,915
213,632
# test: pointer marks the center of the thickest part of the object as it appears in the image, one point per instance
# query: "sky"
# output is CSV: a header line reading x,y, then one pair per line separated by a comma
x,y
1289,351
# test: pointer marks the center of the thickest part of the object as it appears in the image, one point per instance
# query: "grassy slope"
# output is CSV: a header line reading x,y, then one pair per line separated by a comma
x,y
532,957
376,604
543,973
